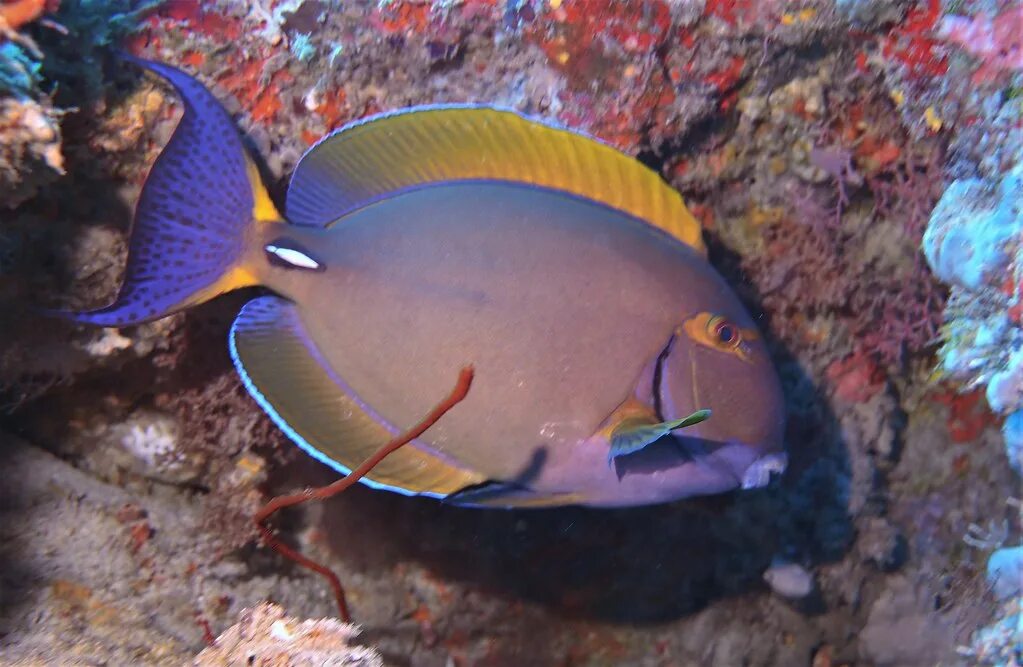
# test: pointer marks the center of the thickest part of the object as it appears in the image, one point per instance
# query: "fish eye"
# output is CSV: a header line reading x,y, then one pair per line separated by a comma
x,y
719,333
724,332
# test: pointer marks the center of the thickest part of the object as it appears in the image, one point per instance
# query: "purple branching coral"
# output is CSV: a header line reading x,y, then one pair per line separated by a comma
x,y
901,318
838,164
837,261
804,257
904,315
848,253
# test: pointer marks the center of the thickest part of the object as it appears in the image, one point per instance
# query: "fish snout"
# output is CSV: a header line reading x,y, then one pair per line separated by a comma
x,y
758,474
743,440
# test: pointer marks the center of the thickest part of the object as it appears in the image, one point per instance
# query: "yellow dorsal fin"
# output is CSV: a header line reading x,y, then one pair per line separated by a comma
x,y
282,370
370,159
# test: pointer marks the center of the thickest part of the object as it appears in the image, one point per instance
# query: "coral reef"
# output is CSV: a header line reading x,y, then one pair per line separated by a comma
x,y
30,153
1005,572
98,573
994,40
975,242
29,128
813,140
18,52
265,636
999,643
41,69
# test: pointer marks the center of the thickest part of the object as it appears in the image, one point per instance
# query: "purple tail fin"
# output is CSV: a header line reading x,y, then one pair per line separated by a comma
x,y
191,217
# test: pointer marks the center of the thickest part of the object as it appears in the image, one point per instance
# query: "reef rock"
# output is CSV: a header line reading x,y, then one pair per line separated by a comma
x,y
265,636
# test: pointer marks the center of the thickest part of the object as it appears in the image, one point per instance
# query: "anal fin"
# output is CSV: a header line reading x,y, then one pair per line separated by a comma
x,y
285,373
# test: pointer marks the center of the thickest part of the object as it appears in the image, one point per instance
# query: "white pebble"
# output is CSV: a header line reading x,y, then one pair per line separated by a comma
x,y
789,580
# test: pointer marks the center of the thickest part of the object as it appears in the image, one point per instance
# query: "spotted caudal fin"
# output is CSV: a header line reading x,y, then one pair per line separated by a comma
x,y
189,237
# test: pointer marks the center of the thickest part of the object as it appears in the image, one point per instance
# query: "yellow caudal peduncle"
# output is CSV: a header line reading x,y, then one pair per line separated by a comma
x,y
245,272
263,209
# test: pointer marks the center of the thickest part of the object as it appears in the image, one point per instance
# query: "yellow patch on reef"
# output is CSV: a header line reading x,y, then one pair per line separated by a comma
x,y
931,118
263,209
788,18
898,97
759,215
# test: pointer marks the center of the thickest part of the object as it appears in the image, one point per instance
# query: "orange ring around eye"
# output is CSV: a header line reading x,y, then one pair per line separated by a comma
x,y
724,333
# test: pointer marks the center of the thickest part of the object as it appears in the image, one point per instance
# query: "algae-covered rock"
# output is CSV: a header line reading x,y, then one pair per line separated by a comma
x,y
265,636
30,149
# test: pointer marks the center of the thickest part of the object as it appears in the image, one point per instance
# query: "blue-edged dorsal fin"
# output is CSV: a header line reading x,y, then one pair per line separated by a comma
x,y
189,236
287,376
375,157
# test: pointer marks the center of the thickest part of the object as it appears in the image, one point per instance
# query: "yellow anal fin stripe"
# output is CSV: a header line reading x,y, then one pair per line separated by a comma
x,y
284,373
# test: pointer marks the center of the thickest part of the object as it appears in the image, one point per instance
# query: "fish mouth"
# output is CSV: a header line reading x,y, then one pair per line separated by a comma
x,y
750,417
734,462
759,473
741,445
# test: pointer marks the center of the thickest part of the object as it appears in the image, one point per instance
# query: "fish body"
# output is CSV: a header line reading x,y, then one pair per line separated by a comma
x,y
579,291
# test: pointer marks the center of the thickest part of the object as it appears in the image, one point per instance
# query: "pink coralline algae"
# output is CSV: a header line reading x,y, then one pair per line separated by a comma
x,y
855,378
913,44
899,315
997,41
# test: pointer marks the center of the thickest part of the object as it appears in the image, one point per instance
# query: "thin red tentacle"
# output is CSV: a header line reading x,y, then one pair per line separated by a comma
x,y
322,493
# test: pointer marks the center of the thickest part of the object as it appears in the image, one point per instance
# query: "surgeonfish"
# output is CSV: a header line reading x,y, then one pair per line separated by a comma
x,y
614,366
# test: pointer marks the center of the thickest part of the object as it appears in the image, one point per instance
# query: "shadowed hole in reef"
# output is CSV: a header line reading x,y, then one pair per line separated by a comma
x,y
641,565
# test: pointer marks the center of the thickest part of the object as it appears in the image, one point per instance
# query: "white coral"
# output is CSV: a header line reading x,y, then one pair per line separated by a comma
x,y
151,439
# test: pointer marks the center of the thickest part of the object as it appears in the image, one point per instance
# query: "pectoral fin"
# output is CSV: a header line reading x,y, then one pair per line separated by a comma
x,y
634,433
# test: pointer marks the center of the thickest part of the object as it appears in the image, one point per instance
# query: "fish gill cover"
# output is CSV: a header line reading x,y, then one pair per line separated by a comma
x,y
855,166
